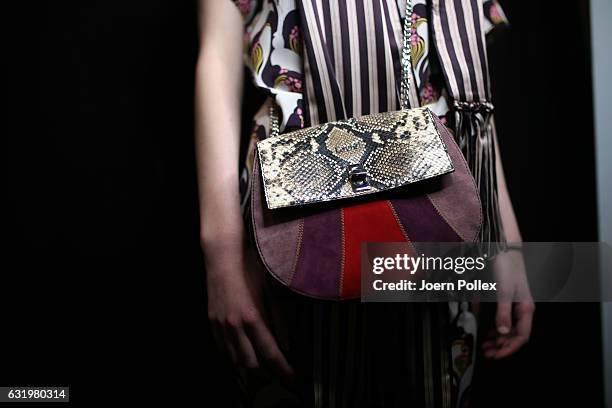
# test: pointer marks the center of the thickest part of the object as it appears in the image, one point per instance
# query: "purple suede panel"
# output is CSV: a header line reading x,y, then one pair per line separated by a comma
x,y
458,201
451,212
422,222
277,237
319,263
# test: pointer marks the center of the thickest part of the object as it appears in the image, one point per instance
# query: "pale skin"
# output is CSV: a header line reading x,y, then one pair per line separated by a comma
x,y
234,299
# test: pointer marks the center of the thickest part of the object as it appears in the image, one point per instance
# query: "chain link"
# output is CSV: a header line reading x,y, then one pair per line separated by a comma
x,y
406,56
274,127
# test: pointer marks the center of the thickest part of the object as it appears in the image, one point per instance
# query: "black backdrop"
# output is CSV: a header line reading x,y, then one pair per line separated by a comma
x,y
105,284
102,283
541,74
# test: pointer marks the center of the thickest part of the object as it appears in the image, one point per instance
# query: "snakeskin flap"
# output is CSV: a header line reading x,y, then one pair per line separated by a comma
x,y
352,157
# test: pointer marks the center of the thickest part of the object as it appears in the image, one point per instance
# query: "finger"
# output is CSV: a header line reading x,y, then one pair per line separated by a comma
x,y
491,333
503,317
231,352
524,318
227,345
268,349
223,342
501,340
242,346
524,315
490,353
488,344
510,347
246,352
217,335
501,347
489,349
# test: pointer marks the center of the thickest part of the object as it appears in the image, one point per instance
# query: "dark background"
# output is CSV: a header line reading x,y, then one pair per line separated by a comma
x,y
102,283
541,75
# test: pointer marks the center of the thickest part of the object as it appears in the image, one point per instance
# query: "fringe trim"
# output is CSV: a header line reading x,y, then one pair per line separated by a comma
x,y
474,135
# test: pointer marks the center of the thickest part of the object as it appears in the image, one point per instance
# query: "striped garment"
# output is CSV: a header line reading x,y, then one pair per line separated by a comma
x,y
322,60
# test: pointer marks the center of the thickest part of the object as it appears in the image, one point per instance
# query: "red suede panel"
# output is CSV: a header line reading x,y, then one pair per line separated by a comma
x,y
370,222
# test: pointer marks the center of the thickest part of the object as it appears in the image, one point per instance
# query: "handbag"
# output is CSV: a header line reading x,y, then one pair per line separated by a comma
x,y
319,193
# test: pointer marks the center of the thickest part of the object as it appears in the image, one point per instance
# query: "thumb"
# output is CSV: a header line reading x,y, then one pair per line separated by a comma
x,y
503,318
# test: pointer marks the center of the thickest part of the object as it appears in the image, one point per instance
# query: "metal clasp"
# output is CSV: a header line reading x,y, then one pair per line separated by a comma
x,y
358,177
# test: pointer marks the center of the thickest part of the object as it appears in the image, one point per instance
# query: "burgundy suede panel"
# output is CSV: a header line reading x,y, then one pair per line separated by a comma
x,y
319,264
422,222
458,200
277,237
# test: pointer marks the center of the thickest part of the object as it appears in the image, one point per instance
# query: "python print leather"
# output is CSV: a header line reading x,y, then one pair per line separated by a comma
x,y
352,157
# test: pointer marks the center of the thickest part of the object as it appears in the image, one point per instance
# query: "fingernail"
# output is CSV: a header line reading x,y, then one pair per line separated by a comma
x,y
503,330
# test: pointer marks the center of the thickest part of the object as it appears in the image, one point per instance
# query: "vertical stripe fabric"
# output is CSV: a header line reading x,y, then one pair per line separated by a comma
x,y
374,355
349,354
353,67
352,58
460,40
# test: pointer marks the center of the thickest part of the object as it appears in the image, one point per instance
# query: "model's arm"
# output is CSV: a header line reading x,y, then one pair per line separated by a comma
x,y
509,223
232,301
515,310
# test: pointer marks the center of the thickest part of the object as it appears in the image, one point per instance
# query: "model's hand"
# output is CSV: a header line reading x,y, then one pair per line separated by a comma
x,y
237,319
515,307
